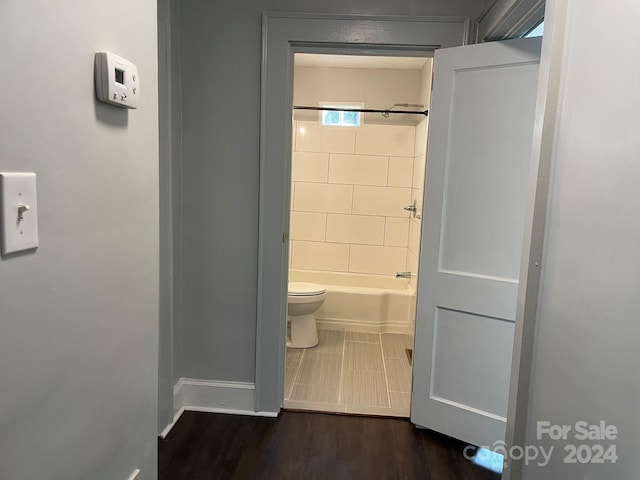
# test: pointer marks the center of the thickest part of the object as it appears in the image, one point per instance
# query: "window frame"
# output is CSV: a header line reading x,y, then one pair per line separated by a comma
x,y
345,105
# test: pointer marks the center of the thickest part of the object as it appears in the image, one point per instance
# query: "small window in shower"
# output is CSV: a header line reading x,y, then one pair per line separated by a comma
x,y
341,114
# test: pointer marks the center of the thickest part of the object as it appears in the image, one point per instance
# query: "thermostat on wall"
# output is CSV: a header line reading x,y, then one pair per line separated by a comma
x,y
117,80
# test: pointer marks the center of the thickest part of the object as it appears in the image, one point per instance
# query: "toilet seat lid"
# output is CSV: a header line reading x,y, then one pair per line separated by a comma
x,y
305,288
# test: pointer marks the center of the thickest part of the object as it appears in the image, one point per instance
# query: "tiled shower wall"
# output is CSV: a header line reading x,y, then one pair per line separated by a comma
x,y
417,192
350,185
349,190
419,171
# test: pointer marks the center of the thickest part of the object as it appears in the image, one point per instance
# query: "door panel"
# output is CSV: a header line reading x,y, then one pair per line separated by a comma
x,y
460,336
480,132
475,236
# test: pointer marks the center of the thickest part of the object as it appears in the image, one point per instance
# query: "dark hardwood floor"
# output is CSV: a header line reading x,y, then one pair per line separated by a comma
x,y
308,446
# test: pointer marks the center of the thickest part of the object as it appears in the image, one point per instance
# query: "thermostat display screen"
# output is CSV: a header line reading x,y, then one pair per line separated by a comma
x,y
120,76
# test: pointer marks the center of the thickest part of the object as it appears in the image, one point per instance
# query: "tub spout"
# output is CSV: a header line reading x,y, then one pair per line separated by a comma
x,y
403,274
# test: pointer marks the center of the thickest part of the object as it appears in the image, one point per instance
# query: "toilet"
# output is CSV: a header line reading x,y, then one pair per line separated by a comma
x,y
303,300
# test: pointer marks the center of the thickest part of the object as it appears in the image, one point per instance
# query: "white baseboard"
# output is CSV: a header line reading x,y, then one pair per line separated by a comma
x,y
236,398
178,400
231,411
168,428
201,394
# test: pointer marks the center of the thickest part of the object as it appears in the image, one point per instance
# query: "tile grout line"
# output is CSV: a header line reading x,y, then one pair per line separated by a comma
x,y
341,384
384,366
388,170
384,234
326,226
328,165
295,375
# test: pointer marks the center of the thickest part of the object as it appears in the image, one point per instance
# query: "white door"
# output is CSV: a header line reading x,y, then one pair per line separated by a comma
x,y
480,133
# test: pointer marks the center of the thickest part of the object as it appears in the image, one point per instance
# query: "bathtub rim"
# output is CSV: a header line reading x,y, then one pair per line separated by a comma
x,y
351,280
326,321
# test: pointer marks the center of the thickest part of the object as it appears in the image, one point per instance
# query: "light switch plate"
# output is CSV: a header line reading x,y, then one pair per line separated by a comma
x,y
19,211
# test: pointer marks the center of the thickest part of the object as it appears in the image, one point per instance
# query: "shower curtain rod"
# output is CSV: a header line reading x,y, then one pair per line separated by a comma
x,y
364,110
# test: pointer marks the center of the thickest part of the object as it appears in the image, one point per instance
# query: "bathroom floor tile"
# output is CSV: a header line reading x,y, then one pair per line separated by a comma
x,y
398,374
353,372
400,400
394,345
363,337
289,378
293,357
320,369
329,341
315,393
317,406
368,389
377,411
363,357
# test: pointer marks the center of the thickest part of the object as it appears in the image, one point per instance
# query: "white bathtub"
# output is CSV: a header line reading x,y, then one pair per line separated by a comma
x,y
365,303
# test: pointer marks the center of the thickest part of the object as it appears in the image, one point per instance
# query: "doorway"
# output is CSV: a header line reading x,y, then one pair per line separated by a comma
x,y
357,182
284,35
273,178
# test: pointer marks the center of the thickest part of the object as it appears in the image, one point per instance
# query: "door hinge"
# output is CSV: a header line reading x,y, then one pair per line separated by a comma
x,y
285,237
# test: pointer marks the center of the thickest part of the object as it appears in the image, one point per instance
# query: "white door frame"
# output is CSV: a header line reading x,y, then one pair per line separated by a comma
x,y
283,35
549,88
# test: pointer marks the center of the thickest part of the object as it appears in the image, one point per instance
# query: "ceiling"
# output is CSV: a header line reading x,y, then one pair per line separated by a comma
x,y
359,61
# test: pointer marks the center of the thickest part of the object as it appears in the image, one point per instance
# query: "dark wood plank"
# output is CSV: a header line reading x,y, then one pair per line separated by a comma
x,y
299,445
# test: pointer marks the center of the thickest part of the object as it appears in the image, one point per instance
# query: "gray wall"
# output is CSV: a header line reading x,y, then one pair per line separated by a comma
x,y
220,68
586,353
79,317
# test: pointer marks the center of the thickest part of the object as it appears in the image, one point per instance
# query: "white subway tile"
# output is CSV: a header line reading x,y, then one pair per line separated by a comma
x,y
307,226
417,194
323,197
311,137
426,75
379,260
400,172
383,201
419,166
421,138
309,167
320,256
412,262
358,169
294,128
396,232
414,237
386,86
392,140
412,266
355,229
